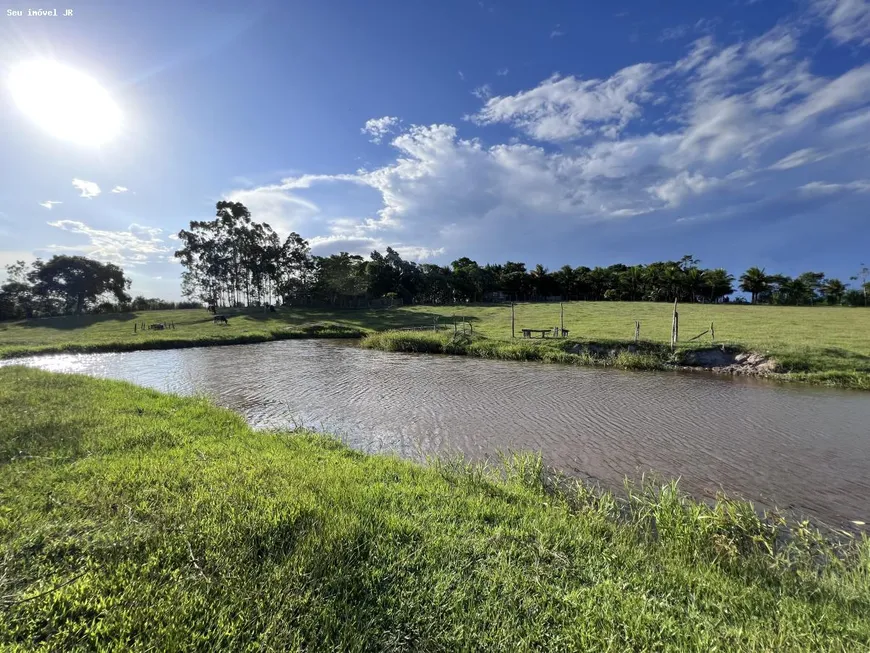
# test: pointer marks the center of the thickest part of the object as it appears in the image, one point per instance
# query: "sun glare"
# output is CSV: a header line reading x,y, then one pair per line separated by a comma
x,y
66,103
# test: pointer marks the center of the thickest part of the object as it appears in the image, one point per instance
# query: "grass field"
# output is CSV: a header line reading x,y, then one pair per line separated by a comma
x,y
131,520
814,343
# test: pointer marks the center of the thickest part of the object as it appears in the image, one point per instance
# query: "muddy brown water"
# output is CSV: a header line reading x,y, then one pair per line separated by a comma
x,y
800,448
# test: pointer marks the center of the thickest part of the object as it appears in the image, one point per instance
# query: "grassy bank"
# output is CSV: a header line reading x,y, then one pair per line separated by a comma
x,y
829,345
139,521
618,354
88,334
646,356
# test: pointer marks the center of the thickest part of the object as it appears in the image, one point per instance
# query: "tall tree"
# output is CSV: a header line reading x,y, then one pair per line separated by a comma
x,y
78,281
16,295
812,282
541,281
863,276
833,290
755,281
719,284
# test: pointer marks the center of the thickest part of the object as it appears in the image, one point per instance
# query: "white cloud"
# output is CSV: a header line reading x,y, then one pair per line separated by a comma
x,y
556,33
135,246
88,188
283,211
377,128
49,203
850,89
326,245
461,74
719,129
672,33
856,123
700,51
119,189
674,190
773,45
417,253
847,20
730,119
564,108
825,188
798,158
483,92
502,72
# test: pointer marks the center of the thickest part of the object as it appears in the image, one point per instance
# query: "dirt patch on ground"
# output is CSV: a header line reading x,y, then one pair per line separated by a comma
x,y
727,361
712,359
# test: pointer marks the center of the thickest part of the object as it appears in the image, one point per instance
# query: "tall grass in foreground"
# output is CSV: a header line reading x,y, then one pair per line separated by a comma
x,y
135,520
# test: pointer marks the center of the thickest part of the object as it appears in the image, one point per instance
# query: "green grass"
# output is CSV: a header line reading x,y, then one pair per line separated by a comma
x,y
133,520
647,356
828,345
193,328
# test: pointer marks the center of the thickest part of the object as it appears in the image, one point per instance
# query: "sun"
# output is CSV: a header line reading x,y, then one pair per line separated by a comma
x,y
65,102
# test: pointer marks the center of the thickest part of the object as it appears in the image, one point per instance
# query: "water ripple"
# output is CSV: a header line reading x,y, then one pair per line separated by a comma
x,y
792,445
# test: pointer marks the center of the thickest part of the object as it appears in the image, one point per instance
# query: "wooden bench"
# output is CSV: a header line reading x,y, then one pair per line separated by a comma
x,y
527,333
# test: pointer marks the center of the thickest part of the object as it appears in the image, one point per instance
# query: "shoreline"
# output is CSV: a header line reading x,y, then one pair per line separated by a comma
x,y
626,355
619,354
291,333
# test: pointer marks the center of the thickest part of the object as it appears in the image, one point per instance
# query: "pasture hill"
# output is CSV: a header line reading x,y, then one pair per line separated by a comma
x,y
827,345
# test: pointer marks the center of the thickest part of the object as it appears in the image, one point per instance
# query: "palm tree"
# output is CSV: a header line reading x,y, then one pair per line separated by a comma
x,y
719,283
540,280
754,281
834,290
693,283
565,281
632,281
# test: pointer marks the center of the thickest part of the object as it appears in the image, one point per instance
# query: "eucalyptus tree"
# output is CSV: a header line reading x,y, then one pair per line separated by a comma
x,y
863,276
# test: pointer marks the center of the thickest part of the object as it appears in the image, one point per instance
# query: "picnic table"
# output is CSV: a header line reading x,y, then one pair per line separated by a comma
x,y
527,333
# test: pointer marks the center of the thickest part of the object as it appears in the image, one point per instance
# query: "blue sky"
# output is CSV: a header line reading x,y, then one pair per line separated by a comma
x,y
547,132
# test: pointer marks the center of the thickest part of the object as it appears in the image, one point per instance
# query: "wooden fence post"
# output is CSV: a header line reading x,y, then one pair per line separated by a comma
x,y
513,334
636,331
675,328
712,334
561,318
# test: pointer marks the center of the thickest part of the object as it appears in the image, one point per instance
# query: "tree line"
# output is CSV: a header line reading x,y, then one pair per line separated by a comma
x,y
235,261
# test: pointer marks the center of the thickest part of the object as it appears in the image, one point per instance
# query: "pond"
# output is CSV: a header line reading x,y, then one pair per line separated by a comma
x,y
805,449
